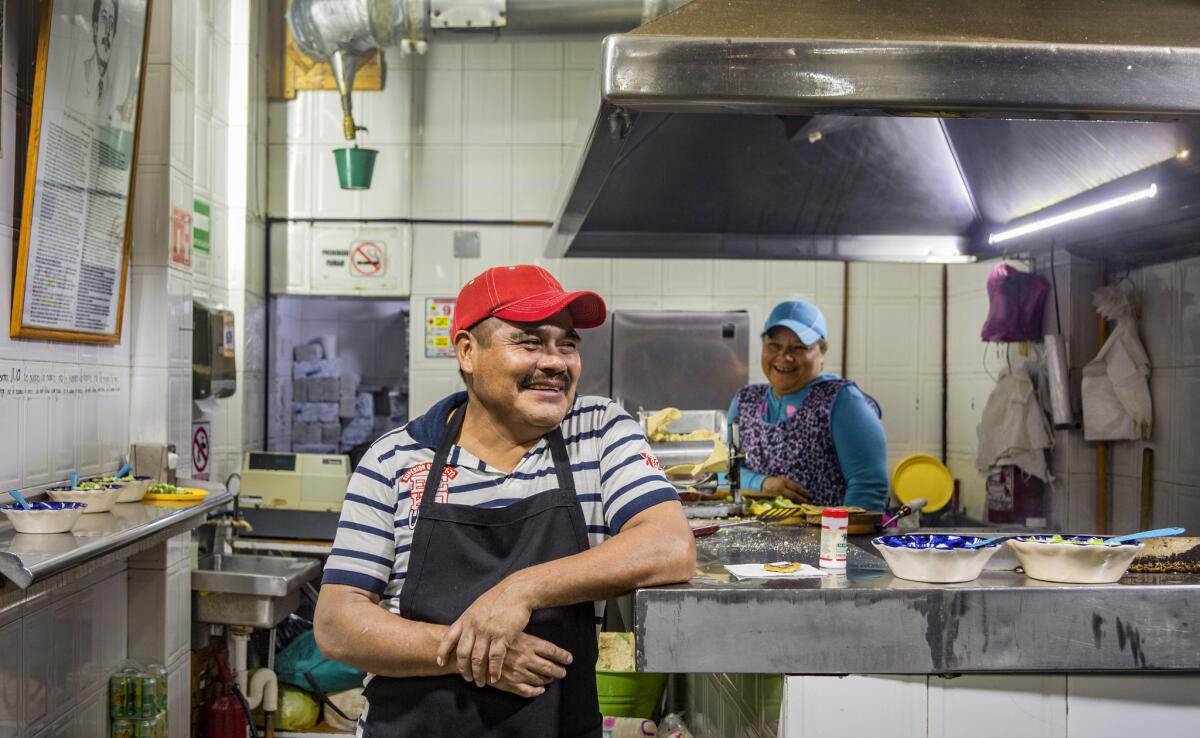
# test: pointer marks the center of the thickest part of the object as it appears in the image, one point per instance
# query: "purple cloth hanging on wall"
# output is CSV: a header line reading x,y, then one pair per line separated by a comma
x,y
1016,305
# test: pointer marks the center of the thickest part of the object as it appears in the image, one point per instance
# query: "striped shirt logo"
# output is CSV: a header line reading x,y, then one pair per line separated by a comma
x,y
415,478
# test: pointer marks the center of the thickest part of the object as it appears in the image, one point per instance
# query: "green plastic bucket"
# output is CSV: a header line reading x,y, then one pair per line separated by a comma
x,y
355,167
629,693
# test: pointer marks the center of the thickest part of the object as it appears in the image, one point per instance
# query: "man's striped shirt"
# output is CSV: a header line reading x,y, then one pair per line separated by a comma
x,y
615,475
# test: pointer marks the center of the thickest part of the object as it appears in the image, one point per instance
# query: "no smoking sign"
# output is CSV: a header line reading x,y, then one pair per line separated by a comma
x,y
367,259
201,448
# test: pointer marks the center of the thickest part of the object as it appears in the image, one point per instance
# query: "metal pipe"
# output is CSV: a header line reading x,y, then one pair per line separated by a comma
x,y
577,16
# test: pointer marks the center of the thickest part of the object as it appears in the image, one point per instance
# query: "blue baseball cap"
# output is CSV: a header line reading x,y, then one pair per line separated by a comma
x,y
803,318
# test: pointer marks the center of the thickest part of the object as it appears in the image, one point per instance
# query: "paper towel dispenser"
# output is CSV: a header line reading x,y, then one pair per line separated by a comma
x,y
214,366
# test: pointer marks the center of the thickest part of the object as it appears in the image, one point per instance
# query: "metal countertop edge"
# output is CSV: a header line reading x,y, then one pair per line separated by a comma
x,y
12,567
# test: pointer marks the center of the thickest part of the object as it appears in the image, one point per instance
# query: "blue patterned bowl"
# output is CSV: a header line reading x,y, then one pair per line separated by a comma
x,y
44,517
934,558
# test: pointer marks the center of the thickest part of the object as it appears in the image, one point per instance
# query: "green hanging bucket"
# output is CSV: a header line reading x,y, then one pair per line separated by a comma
x,y
355,167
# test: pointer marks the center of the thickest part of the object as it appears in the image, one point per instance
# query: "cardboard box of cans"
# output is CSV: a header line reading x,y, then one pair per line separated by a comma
x,y
137,701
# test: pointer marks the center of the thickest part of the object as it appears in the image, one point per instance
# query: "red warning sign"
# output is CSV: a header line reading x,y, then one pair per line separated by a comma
x,y
366,259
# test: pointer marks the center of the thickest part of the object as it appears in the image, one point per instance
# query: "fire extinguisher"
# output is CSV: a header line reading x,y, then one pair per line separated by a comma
x,y
228,716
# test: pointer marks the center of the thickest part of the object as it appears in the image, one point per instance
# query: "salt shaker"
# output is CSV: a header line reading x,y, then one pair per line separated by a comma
x,y
835,522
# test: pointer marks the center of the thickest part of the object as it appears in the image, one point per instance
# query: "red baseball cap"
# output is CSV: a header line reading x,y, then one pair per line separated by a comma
x,y
523,294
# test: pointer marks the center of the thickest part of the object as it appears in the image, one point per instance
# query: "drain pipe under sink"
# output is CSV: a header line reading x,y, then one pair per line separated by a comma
x,y
263,687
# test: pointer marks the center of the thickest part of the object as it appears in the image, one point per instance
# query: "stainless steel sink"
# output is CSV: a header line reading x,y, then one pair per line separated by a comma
x,y
254,591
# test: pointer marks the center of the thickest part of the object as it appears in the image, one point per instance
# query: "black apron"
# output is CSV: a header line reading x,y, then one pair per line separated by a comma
x,y
458,553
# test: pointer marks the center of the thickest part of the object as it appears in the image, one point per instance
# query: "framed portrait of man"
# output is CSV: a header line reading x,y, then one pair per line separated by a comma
x,y
79,175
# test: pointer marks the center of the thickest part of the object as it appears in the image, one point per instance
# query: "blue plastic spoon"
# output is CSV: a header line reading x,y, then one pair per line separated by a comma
x,y
123,471
74,480
20,500
1156,533
986,541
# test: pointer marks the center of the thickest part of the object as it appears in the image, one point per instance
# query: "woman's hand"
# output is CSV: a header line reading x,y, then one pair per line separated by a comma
x,y
784,487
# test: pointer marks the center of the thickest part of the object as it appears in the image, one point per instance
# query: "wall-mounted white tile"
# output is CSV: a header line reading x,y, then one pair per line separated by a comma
x,y
537,175
791,279
1033,705
687,277
931,280
893,280
159,52
151,217
438,107
582,53
1159,323
581,103
202,179
387,114
537,106
830,278
183,37
148,287
329,199
35,456
1081,503
634,302
289,181
495,249
1119,704
10,436
1126,504
489,55
688,303
930,336
148,405
529,247
435,270
182,123
892,347
740,277
63,413
87,435
929,416
538,55
639,277
487,182
829,705
204,69
437,182
389,195
441,55
1185,399
427,387
220,165
898,399
324,109
155,119
488,107
586,274
225,94
1187,313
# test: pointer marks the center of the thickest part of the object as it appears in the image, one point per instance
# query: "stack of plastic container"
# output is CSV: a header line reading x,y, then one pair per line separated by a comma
x,y
137,701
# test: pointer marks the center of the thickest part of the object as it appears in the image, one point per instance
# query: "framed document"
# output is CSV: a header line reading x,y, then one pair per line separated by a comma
x,y
78,197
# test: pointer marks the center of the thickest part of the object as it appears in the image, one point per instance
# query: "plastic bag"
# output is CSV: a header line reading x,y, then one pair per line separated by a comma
x,y
1116,387
350,702
302,656
297,710
1016,303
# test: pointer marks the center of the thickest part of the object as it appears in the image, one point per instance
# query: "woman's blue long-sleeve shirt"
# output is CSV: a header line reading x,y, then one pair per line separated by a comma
x,y
857,437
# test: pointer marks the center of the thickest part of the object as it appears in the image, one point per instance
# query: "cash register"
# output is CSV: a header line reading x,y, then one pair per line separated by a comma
x,y
293,495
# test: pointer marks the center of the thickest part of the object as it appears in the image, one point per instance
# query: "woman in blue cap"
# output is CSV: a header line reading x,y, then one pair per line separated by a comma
x,y
808,435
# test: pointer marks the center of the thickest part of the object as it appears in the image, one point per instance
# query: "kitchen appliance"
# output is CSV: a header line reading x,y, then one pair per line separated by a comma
x,y
214,368
287,495
687,360
693,452
778,129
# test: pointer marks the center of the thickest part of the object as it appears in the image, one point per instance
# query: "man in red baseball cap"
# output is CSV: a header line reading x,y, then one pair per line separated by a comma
x,y
476,542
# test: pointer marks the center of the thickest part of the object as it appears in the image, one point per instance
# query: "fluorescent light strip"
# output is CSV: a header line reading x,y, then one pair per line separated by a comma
x,y
1067,217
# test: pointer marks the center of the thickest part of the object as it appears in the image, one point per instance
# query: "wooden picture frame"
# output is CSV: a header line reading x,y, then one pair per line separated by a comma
x,y
77,205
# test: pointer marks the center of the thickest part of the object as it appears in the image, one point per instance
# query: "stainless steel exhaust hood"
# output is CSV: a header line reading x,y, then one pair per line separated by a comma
x,y
903,130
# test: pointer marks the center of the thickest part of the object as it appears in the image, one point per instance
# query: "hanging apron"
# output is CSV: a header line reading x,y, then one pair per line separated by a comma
x,y
458,553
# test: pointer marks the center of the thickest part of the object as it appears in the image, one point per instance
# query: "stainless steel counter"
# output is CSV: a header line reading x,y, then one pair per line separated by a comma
x,y
868,622
26,558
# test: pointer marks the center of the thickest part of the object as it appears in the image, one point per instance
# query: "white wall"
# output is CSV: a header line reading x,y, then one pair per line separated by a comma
x,y
491,130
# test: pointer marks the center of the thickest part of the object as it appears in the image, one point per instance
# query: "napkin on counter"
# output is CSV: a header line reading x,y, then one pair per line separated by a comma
x,y
756,571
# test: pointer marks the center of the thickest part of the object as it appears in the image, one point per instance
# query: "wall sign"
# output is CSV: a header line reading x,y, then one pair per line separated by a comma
x,y
201,235
181,238
439,317
366,259
78,191
201,448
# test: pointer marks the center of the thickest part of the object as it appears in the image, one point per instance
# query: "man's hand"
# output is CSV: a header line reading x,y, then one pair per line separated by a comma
x,y
784,487
531,664
485,632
